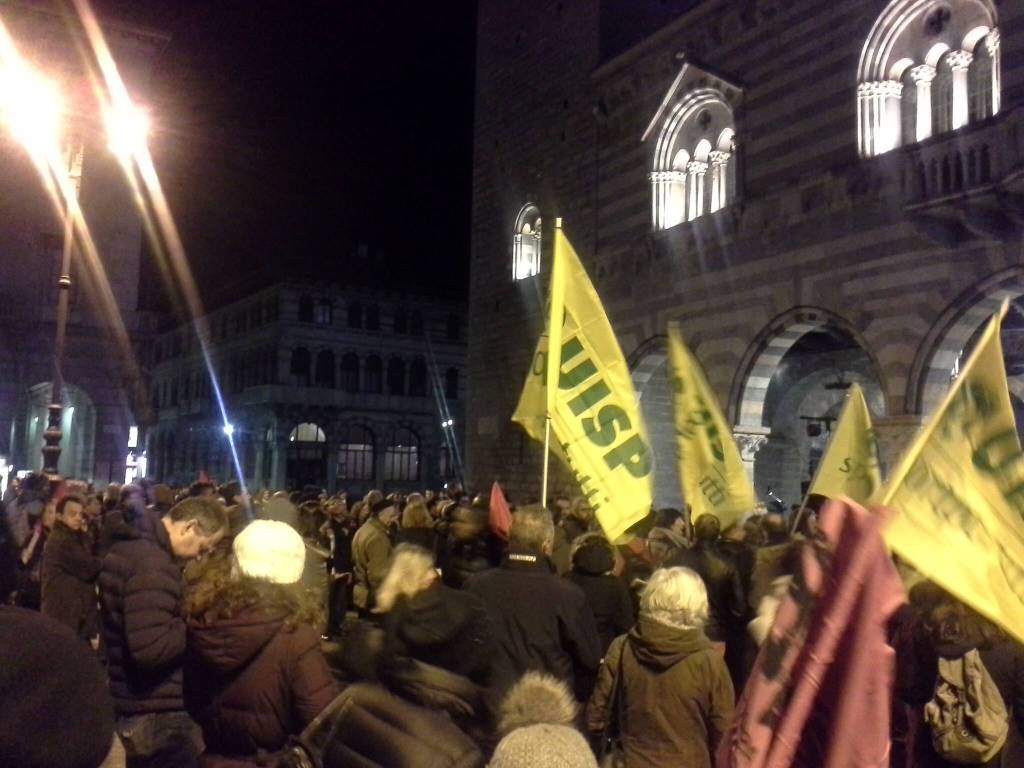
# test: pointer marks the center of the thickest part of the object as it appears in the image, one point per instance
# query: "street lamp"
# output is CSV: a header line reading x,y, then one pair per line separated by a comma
x,y
31,107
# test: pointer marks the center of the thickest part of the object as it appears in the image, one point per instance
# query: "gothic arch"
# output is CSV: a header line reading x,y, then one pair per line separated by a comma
x,y
935,360
762,358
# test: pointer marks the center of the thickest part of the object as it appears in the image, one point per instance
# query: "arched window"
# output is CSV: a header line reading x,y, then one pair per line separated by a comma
x,y
416,323
324,312
402,456
396,376
418,378
299,368
693,169
325,368
373,318
926,68
355,453
451,384
355,315
307,432
305,309
979,82
350,372
526,243
401,321
373,378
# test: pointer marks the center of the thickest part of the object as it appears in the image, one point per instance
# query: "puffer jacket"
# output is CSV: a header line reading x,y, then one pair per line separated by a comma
x,y
252,681
677,698
143,626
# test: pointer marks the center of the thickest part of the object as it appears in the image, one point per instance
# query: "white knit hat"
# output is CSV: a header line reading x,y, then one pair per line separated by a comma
x,y
268,549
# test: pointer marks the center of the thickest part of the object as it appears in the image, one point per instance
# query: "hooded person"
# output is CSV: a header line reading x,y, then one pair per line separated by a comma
x,y
669,688
255,675
593,560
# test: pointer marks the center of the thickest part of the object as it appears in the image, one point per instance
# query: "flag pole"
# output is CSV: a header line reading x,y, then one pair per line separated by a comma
x,y
547,456
556,318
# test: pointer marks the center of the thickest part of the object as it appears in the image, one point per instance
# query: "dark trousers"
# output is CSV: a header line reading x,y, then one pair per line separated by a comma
x,y
160,740
337,606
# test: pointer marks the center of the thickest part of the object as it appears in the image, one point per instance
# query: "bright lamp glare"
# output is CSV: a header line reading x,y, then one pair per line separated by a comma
x,y
30,106
229,429
127,129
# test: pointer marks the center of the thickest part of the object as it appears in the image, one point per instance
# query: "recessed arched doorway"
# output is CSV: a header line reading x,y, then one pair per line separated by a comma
x,y
799,373
307,456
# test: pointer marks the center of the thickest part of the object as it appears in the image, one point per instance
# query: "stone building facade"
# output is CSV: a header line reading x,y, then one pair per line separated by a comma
x,y
819,192
341,388
100,370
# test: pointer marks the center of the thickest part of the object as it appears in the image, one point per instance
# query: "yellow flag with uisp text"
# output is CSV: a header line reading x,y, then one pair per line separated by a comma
x,y
713,476
595,414
849,466
958,494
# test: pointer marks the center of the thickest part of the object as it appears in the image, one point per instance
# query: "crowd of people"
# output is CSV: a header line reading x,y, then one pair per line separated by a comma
x,y
202,626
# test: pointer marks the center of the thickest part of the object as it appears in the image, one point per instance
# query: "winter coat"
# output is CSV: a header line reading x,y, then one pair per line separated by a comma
x,y
371,556
445,627
607,595
461,558
252,681
69,581
143,626
541,621
677,698
721,578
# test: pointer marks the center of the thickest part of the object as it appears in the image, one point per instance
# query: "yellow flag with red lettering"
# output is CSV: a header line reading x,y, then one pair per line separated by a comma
x,y
595,413
958,493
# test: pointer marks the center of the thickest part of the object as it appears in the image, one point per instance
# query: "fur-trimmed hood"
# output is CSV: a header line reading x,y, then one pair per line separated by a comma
x,y
537,698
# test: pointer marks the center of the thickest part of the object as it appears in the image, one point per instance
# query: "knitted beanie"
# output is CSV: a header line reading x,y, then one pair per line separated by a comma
x,y
543,746
55,709
270,550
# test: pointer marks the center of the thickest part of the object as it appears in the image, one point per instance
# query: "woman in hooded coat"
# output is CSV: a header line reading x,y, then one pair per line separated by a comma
x,y
663,684
255,674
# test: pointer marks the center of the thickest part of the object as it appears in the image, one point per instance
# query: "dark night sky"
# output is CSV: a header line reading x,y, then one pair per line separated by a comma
x,y
287,130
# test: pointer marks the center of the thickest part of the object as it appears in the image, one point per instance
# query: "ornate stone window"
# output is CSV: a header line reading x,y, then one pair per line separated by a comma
x,y
693,169
927,67
526,242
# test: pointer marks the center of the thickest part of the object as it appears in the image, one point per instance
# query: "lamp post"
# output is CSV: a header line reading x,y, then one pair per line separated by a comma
x,y
32,109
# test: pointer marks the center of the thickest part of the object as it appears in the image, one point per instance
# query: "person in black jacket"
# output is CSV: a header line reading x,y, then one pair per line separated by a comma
x,y
70,570
592,562
144,629
542,622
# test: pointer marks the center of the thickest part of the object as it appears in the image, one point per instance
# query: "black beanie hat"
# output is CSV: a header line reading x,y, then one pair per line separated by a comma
x,y
56,711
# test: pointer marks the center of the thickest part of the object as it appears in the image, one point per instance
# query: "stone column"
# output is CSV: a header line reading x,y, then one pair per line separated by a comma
x,y
923,76
696,170
719,174
959,63
992,44
878,116
750,440
278,461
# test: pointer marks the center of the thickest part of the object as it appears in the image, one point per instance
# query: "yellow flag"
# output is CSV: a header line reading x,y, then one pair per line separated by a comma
x,y
596,416
850,464
713,476
958,495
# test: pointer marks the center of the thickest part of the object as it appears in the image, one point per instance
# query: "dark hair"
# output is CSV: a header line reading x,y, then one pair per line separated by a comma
x,y
69,499
199,486
707,528
209,514
666,518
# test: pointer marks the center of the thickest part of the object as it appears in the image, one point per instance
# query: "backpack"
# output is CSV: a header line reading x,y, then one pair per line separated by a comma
x,y
967,715
367,726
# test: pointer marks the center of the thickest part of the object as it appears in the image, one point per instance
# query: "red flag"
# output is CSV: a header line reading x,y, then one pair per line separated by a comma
x,y
500,516
203,477
820,693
